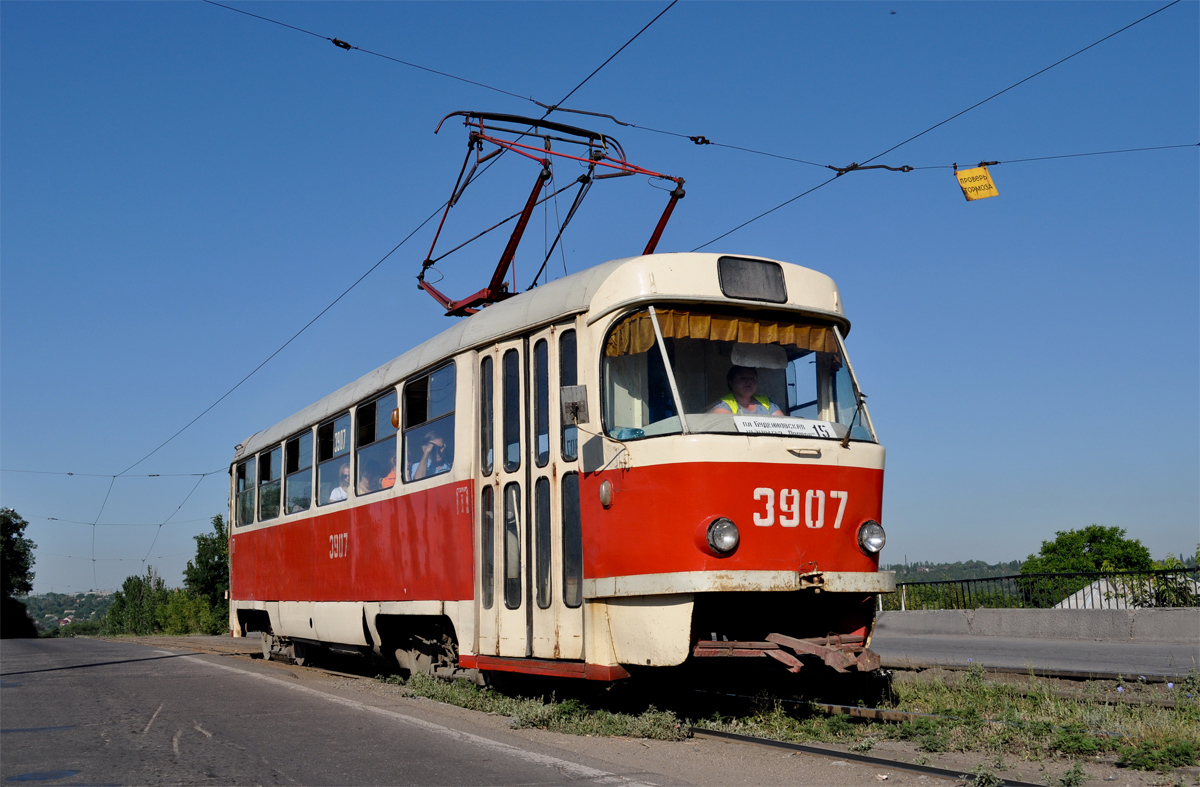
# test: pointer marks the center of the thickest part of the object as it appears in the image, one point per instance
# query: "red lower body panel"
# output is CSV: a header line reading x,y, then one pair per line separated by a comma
x,y
561,669
415,547
789,517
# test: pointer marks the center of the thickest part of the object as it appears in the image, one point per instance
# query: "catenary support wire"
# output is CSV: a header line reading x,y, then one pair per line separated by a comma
x,y
942,123
168,519
1023,81
344,45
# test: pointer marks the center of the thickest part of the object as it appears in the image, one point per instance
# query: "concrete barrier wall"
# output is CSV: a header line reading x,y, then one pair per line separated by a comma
x,y
1110,625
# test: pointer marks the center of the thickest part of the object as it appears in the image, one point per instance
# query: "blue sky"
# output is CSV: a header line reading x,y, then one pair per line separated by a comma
x,y
183,187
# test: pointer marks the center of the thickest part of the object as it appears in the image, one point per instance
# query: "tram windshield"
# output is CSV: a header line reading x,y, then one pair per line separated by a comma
x,y
730,374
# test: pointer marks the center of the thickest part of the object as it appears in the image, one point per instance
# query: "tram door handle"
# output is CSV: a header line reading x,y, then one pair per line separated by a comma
x,y
805,453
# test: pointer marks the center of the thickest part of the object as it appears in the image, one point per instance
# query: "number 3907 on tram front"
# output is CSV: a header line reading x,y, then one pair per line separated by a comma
x,y
658,461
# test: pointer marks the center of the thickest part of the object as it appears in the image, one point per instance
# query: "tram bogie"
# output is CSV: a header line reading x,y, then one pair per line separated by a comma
x,y
658,461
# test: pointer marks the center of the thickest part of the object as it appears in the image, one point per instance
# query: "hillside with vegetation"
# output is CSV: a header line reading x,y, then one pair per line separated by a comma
x,y
50,610
926,571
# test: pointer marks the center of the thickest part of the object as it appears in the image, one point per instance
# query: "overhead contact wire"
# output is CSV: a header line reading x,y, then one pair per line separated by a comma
x,y
295,336
347,46
95,582
1069,155
767,212
552,108
942,123
109,475
168,519
613,55
1023,81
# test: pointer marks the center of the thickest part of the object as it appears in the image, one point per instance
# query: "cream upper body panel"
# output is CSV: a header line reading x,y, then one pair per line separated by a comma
x,y
797,452
598,291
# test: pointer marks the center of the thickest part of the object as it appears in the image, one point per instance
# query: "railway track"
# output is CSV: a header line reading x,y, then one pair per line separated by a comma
x,y
1061,674
251,649
836,754
352,670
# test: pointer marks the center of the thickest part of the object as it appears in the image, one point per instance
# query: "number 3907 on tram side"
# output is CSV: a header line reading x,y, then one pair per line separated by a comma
x,y
656,461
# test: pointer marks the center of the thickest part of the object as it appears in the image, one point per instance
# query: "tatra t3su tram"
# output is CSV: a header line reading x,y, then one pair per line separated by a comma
x,y
656,461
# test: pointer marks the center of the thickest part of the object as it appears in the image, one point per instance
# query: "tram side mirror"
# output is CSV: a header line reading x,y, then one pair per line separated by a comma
x,y
574,404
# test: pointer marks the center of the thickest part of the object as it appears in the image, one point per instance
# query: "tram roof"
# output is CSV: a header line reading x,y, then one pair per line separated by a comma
x,y
685,277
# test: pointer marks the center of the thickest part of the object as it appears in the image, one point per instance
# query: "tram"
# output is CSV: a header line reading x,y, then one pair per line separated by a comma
x,y
575,482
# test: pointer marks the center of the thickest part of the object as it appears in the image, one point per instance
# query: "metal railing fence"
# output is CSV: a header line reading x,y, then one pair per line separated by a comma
x,y
1086,590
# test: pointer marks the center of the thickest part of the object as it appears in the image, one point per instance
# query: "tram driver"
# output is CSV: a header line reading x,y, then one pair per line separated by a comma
x,y
742,397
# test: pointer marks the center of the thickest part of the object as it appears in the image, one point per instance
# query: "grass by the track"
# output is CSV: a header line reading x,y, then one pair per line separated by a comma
x,y
958,713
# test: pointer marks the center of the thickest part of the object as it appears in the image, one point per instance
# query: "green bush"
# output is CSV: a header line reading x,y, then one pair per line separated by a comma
x,y
188,613
135,606
1078,742
80,628
1157,756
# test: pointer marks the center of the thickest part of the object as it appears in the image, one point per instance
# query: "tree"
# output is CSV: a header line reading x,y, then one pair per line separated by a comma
x,y
16,555
188,613
208,575
1094,548
135,606
144,605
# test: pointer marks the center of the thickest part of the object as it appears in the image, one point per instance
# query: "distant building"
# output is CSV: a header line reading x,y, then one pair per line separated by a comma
x,y
1126,594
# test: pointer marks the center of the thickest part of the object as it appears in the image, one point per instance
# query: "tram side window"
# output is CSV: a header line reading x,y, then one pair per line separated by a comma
x,y
298,453
541,511
637,393
568,374
245,492
486,428
269,483
512,411
572,542
429,424
376,444
512,546
333,460
487,546
541,402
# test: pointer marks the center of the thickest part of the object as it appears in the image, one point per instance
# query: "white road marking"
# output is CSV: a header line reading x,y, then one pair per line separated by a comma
x,y
152,718
175,742
566,767
201,730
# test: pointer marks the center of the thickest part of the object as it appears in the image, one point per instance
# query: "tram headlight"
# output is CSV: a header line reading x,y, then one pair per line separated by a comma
x,y
871,537
723,536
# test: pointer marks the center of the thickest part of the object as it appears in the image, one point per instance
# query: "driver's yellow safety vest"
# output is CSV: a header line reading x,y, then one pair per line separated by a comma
x,y
731,402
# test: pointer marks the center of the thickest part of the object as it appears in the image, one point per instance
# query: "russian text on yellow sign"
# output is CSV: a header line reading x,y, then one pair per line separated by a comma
x,y
976,183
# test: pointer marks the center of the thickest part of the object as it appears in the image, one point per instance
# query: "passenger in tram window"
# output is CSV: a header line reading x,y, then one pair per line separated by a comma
x,y
342,490
742,398
435,456
368,476
389,480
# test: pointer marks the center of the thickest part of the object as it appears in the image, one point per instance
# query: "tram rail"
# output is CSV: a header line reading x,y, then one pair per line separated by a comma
x,y
348,669
837,754
233,646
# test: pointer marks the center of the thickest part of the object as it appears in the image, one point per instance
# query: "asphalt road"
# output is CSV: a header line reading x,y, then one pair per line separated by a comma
x,y
80,711
1083,656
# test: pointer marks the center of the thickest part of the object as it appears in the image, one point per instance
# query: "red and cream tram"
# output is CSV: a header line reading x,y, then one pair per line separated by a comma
x,y
567,483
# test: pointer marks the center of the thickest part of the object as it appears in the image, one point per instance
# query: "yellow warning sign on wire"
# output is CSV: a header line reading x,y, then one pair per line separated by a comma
x,y
976,183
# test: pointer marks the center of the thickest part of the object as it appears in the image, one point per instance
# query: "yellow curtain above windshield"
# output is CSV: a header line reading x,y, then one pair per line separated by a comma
x,y
635,334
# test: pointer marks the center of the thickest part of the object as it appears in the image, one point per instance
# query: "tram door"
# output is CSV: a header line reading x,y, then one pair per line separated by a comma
x,y
528,589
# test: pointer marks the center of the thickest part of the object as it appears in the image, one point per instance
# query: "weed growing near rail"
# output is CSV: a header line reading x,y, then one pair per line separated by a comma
x,y
569,716
966,713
